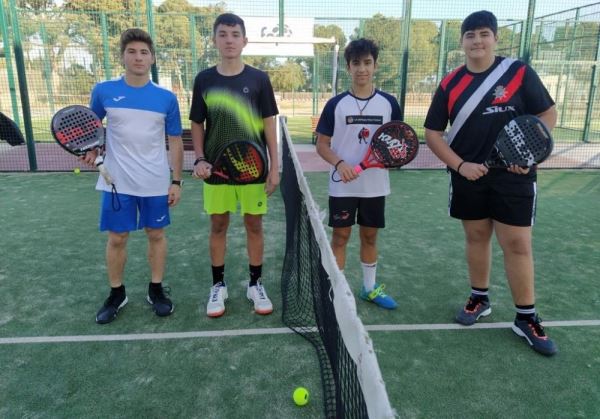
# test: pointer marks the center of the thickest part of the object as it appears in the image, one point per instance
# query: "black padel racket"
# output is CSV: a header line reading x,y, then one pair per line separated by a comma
x,y
240,162
78,130
394,144
524,141
9,131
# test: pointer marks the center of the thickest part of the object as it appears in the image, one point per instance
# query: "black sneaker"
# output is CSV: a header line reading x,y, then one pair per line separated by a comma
x,y
534,334
161,304
115,302
472,311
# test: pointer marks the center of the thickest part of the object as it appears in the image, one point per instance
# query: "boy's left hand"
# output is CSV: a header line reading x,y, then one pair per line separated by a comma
x,y
174,195
272,181
518,170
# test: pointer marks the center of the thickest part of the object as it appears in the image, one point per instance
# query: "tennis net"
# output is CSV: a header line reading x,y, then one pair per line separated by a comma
x,y
318,304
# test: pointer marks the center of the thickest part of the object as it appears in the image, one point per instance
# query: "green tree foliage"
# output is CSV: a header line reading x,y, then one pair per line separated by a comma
x,y
287,77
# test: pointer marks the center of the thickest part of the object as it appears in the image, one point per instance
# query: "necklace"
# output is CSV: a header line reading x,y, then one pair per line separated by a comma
x,y
361,110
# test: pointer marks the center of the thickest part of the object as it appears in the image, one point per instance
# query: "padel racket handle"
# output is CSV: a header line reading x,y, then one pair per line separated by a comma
x,y
358,168
99,162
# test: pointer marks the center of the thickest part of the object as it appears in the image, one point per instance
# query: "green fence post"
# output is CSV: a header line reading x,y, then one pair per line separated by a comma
x,y
569,57
443,54
9,68
105,47
138,14
47,68
20,63
281,15
526,44
405,44
592,93
193,45
315,88
150,18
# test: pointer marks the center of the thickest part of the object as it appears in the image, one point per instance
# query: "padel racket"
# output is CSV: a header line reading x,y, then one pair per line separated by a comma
x,y
78,130
524,141
9,131
394,144
240,162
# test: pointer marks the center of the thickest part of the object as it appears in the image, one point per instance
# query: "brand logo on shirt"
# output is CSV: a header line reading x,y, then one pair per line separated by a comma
x,y
118,98
499,92
363,135
498,109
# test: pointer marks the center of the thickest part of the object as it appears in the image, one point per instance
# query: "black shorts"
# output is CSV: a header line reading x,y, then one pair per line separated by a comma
x,y
500,195
343,211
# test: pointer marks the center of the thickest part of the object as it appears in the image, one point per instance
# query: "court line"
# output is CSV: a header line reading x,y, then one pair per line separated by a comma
x,y
273,331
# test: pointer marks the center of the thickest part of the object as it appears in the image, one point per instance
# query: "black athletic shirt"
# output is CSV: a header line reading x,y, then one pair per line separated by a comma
x,y
518,92
233,107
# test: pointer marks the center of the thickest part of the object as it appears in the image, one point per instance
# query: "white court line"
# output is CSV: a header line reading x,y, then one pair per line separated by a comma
x,y
274,331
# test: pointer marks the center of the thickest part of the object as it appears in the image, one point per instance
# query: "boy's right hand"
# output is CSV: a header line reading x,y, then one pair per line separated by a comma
x,y
202,170
90,158
346,172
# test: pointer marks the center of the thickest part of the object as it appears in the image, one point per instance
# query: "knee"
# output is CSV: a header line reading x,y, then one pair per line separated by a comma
x,y
517,246
218,226
478,236
339,238
155,235
253,225
117,240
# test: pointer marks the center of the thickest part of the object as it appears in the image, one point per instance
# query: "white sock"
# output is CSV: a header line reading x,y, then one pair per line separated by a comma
x,y
369,271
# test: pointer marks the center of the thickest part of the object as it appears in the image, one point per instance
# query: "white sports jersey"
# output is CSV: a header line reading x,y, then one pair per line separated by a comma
x,y
137,119
351,123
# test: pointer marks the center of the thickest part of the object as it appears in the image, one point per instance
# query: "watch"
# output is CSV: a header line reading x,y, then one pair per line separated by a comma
x,y
177,182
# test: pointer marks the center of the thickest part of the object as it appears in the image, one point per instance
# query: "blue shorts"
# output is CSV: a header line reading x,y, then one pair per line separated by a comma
x,y
153,212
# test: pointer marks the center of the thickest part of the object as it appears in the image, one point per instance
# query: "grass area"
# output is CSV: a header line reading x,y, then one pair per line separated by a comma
x,y
53,275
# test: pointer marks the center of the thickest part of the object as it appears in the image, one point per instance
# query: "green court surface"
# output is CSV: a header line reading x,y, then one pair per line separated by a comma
x,y
58,363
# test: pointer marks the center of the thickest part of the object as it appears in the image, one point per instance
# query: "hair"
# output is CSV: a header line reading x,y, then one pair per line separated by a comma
x,y
229,19
477,20
359,48
136,35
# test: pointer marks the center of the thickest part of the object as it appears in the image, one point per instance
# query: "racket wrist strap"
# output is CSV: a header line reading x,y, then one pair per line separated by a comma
x,y
459,166
338,163
199,159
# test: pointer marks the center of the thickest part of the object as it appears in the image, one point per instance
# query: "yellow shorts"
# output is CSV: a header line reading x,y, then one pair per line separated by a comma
x,y
219,199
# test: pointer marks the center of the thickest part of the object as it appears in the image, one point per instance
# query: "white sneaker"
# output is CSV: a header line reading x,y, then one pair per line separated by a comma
x,y
258,295
216,300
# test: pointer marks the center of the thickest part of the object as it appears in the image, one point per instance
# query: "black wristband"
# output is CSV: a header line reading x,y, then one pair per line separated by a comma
x,y
459,166
198,160
338,163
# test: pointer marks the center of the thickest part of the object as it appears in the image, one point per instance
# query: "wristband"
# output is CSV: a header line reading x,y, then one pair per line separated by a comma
x,y
459,166
338,163
198,160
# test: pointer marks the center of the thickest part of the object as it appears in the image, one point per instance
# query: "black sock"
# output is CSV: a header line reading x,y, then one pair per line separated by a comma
x,y
525,312
255,274
155,286
218,274
479,294
120,289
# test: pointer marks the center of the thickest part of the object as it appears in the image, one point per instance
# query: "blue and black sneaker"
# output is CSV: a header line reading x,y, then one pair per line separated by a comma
x,y
161,304
533,332
115,302
377,296
472,311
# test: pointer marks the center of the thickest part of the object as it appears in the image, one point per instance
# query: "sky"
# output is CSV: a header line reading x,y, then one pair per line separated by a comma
x,y
433,9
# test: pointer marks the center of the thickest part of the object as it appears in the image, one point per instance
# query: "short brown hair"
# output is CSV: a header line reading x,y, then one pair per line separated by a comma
x,y
136,35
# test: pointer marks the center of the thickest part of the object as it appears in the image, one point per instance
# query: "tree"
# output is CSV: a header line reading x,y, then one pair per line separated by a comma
x,y
287,77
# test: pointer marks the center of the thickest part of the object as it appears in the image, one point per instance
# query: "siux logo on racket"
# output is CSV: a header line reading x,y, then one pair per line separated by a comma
x,y
517,137
397,148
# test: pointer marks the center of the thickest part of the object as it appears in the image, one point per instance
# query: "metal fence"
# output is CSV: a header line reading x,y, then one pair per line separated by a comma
x,y
52,54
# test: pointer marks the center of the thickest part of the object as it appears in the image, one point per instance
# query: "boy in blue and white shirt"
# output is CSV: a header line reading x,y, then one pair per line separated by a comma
x,y
138,115
344,132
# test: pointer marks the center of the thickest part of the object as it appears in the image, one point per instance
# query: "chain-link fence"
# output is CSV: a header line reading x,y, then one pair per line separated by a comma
x,y
52,53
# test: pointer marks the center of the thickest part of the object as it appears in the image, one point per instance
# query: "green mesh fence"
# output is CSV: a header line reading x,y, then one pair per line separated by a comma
x,y
52,53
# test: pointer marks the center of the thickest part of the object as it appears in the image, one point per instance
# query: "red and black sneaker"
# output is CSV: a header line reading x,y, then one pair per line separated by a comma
x,y
533,332
472,311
